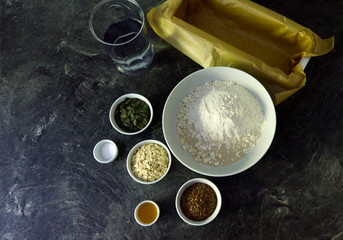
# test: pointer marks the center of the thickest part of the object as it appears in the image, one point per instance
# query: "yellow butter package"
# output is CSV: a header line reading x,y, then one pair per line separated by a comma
x,y
241,34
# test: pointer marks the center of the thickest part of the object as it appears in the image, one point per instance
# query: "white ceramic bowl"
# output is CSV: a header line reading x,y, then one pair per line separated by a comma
x,y
196,79
178,203
105,151
134,150
138,220
122,99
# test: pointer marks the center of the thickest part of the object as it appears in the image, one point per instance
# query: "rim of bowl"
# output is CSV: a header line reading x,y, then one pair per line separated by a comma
x,y
134,149
137,207
184,187
121,99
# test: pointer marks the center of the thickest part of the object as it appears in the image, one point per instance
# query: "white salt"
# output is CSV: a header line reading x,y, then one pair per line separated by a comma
x,y
108,151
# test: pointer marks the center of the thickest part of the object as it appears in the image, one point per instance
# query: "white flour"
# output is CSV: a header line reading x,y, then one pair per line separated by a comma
x,y
219,123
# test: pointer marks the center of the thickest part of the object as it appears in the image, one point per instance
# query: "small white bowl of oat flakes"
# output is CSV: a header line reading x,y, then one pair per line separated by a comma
x,y
148,161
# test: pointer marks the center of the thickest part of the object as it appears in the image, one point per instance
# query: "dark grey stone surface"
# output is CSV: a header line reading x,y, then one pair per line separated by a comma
x,y
56,89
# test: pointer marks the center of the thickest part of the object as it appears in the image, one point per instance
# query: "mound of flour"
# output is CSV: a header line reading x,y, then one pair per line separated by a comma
x,y
219,122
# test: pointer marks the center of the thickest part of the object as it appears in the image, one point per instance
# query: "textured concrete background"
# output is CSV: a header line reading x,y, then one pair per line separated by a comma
x,y
56,89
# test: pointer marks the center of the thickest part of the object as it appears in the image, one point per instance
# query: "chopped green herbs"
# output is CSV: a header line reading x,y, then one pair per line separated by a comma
x,y
132,114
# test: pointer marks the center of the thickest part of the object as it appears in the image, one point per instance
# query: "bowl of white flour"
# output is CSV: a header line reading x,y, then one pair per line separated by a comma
x,y
219,121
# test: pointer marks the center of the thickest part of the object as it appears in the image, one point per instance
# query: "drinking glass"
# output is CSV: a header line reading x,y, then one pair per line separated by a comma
x,y
120,25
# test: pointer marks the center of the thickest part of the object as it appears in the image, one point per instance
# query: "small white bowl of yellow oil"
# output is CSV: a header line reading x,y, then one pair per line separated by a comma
x,y
147,213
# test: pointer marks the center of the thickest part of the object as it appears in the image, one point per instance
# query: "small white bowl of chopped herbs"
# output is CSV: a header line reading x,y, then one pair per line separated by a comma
x,y
131,114
148,161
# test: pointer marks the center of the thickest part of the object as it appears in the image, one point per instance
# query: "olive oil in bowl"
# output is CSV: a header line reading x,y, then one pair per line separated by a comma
x,y
147,213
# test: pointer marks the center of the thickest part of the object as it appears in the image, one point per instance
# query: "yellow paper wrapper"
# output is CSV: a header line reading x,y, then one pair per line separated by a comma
x,y
240,34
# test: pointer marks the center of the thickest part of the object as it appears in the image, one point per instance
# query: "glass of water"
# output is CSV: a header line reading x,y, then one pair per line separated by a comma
x,y
120,25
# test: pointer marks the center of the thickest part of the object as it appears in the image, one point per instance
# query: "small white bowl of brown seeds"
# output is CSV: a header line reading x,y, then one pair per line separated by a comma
x,y
198,201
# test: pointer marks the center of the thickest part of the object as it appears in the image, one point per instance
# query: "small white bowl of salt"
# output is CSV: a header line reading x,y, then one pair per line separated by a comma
x,y
105,151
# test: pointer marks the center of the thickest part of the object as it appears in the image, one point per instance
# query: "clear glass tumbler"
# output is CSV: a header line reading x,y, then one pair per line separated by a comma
x,y
121,26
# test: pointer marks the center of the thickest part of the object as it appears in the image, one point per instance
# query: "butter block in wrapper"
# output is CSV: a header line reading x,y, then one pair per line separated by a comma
x,y
241,34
